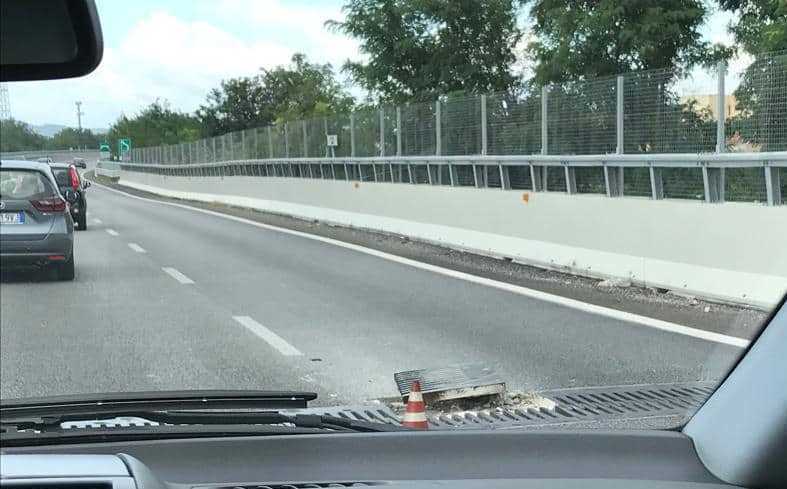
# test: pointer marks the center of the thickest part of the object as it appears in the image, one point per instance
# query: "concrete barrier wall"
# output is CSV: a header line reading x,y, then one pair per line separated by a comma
x,y
731,252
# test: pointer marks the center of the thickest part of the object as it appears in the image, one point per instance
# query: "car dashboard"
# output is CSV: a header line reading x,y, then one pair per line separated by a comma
x,y
500,459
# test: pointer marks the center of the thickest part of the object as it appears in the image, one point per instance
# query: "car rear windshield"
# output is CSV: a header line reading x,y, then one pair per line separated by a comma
x,y
62,177
24,184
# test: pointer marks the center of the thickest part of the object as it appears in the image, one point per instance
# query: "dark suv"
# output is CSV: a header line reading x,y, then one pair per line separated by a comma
x,y
67,177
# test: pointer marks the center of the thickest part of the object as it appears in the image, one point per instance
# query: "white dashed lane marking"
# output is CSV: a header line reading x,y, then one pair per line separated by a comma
x,y
269,336
112,232
136,248
177,275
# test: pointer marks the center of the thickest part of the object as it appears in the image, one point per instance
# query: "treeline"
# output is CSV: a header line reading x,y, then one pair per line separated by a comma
x,y
421,50
18,136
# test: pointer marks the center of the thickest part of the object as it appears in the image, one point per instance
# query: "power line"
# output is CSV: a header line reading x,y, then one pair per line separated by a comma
x,y
5,103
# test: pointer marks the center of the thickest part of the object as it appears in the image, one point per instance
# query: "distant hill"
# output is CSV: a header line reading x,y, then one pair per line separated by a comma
x,y
49,130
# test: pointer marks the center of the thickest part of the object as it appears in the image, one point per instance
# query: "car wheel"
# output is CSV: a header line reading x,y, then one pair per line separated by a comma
x,y
82,222
65,271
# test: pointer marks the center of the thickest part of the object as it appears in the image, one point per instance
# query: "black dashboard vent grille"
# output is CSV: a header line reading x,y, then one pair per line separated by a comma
x,y
562,406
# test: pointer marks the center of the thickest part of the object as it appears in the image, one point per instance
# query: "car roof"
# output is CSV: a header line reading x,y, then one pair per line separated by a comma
x,y
59,165
24,165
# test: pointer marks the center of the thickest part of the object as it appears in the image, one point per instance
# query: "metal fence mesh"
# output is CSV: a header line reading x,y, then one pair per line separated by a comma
x,y
418,129
519,177
590,180
513,124
460,126
367,132
581,117
662,114
683,183
756,121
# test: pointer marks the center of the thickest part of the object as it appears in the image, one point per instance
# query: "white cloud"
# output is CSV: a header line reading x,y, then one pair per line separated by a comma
x,y
162,56
305,25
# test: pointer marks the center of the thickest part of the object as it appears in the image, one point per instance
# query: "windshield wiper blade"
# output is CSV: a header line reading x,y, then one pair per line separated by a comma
x,y
112,403
52,423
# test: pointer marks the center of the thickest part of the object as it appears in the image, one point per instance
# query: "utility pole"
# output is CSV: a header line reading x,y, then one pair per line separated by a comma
x,y
79,121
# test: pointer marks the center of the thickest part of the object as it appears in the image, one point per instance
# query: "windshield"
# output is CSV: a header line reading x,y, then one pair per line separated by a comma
x,y
547,206
23,184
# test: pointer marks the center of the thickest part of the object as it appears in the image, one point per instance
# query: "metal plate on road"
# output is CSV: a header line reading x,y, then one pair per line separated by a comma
x,y
12,218
452,382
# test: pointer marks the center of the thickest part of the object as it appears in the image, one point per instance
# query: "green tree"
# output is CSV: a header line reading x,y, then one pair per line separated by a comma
x,y
761,24
304,90
578,39
236,104
420,49
18,136
70,137
154,125
297,91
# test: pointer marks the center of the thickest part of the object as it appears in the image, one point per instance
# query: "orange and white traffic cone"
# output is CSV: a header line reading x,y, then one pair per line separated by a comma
x,y
415,411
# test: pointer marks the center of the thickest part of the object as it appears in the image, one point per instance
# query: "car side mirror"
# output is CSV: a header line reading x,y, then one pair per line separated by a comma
x,y
71,196
85,184
81,164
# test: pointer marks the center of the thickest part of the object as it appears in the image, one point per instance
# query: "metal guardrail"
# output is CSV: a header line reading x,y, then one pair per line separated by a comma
x,y
712,177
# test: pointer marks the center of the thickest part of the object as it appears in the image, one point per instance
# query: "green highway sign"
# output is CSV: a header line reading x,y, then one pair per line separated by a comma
x,y
124,148
104,147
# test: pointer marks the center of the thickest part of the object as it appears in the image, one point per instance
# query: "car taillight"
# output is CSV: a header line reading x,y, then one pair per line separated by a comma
x,y
72,172
51,204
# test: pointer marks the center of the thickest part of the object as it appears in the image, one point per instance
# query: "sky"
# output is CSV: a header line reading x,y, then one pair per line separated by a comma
x,y
177,50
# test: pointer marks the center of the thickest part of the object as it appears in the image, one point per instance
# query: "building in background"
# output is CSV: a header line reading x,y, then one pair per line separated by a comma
x,y
708,102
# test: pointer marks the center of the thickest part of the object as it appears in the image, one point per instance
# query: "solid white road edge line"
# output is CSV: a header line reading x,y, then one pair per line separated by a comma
x,y
136,248
112,232
177,275
269,336
516,289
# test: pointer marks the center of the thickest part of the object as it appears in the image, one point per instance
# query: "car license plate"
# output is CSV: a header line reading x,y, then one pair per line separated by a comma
x,y
12,218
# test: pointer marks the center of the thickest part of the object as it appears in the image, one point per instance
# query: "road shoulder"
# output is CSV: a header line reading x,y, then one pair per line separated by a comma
x,y
727,319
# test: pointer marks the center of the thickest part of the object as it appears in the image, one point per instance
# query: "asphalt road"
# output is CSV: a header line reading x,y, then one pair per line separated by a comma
x,y
172,298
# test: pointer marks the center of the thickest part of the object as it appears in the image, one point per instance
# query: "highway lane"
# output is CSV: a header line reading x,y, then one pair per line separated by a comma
x,y
171,298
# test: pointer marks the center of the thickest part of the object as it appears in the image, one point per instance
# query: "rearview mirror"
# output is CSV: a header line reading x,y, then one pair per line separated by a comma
x,y
48,39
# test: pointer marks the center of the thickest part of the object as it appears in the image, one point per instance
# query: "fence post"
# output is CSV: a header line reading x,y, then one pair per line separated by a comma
x,y
613,180
270,143
721,71
571,180
213,142
619,114
352,134
286,140
232,148
438,138
544,120
305,139
483,128
398,131
773,190
243,155
382,131
656,183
